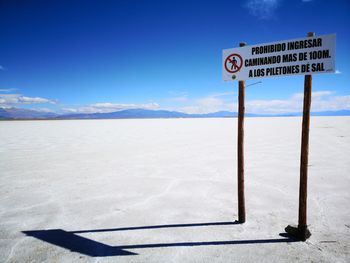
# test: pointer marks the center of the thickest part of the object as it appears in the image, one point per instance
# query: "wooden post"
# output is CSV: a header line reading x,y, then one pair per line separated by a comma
x,y
304,157
302,232
240,149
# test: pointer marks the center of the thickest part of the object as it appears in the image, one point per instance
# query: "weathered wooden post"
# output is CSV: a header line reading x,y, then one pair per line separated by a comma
x,y
302,232
240,149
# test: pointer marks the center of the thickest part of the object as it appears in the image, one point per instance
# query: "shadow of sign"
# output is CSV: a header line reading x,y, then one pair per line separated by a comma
x,y
70,240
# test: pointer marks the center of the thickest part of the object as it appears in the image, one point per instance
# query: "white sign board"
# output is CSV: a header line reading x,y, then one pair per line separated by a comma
x,y
303,56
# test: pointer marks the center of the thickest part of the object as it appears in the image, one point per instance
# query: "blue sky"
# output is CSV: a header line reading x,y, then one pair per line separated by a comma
x,y
100,56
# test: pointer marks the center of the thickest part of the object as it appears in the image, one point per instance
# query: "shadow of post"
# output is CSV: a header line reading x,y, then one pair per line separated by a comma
x,y
73,242
77,243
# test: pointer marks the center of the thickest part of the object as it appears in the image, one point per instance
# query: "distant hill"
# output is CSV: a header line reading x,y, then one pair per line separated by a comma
x,y
149,114
26,114
17,113
126,114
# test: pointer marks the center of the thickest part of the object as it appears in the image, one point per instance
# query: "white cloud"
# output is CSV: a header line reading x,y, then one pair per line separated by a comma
x,y
33,100
44,110
318,94
207,100
207,105
109,107
315,95
219,101
7,90
222,94
263,9
321,101
177,96
179,99
9,100
332,104
324,100
338,72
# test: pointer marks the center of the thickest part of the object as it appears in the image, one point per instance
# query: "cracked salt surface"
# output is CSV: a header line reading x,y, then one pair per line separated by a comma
x,y
165,190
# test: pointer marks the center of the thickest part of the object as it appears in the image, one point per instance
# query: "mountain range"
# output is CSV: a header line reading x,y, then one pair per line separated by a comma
x,y
27,114
17,113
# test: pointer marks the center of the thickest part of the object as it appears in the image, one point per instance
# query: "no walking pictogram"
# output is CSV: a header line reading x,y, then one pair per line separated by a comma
x,y
233,63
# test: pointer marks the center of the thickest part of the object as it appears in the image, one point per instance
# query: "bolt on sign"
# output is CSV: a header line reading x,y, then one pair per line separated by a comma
x,y
303,56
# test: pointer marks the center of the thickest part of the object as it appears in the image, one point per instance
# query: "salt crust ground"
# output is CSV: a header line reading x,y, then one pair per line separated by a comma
x,y
110,174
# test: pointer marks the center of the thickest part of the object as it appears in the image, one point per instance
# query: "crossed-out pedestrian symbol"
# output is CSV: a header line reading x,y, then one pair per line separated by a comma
x,y
233,63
